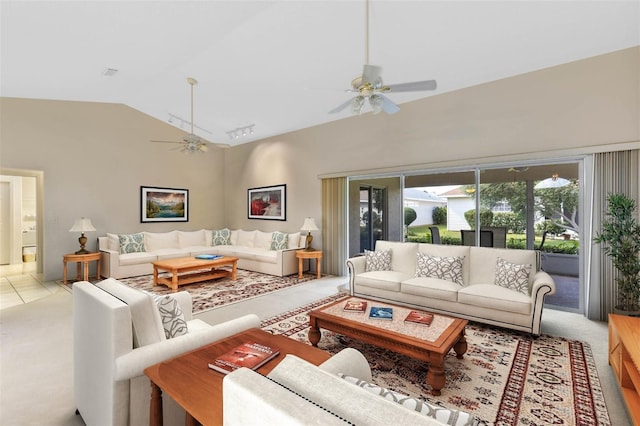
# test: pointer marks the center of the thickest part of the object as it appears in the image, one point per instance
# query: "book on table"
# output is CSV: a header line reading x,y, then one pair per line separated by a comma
x,y
418,317
249,354
378,312
355,306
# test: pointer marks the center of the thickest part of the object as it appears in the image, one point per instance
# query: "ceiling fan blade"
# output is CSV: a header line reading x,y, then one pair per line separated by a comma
x,y
370,73
341,107
411,87
388,105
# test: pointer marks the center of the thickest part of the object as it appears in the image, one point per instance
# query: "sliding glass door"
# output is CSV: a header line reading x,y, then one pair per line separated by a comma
x,y
372,216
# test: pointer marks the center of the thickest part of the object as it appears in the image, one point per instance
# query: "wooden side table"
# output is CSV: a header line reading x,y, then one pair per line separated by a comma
x,y
312,254
80,259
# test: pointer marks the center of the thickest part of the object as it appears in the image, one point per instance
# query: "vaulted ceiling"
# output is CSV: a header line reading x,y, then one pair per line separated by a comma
x,y
282,65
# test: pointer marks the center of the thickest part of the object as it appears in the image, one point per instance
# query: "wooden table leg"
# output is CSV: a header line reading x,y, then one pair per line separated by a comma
x,y
78,270
300,266
461,346
189,420
174,280
314,332
64,272
98,277
436,377
234,271
86,270
155,406
318,266
155,275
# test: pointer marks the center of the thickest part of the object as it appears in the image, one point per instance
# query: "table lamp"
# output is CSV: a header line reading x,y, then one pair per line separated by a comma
x,y
82,225
309,225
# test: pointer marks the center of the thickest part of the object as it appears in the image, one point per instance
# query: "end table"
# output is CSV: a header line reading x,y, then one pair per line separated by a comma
x,y
80,259
311,254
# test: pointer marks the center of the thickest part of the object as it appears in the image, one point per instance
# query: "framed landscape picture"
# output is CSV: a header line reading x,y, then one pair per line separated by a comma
x,y
164,204
267,202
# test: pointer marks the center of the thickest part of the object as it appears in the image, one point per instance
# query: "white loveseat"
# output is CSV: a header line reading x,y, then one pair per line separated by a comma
x,y
296,392
252,248
117,333
477,297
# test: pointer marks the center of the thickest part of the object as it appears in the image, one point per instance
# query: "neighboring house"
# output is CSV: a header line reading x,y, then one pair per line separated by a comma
x,y
423,203
458,202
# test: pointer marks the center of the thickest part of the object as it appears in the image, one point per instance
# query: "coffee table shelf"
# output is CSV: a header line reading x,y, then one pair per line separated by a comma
x,y
187,270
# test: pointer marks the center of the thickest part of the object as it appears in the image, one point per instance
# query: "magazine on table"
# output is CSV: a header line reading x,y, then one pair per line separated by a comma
x,y
355,306
418,317
249,354
378,312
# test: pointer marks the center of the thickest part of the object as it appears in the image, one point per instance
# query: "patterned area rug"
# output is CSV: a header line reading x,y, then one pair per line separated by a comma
x,y
223,291
505,378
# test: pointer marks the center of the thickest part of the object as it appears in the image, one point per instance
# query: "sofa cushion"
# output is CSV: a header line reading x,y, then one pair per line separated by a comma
x,y
482,262
512,275
279,241
131,243
254,253
172,253
154,241
443,415
191,239
171,315
262,240
377,260
403,255
147,326
445,268
385,280
221,237
245,238
495,297
136,258
433,288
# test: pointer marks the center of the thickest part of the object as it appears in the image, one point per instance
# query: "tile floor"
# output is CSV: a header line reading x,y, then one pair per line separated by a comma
x,y
21,284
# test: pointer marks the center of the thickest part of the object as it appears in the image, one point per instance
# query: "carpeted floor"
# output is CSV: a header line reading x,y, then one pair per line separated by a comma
x,y
213,293
505,378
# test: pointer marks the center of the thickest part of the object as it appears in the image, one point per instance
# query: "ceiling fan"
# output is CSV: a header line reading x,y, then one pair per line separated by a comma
x,y
369,85
192,142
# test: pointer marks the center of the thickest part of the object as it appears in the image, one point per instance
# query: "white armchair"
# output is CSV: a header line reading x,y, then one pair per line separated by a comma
x,y
117,333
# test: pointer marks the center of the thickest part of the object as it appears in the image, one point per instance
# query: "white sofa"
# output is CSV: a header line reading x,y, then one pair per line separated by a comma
x,y
477,298
117,333
252,248
296,392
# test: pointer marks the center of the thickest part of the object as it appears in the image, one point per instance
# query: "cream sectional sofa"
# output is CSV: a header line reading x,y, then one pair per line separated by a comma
x,y
338,391
477,297
252,248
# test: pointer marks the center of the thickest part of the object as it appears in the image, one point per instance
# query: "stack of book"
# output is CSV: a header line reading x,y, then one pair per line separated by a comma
x,y
250,355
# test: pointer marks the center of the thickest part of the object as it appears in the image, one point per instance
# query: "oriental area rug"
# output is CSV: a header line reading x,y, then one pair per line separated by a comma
x,y
505,378
213,293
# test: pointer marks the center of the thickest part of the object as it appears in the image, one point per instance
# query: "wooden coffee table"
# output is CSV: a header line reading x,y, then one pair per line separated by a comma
x,y
198,389
187,270
426,343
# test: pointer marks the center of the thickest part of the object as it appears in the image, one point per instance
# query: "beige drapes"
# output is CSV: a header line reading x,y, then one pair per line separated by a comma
x,y
613,172
334,225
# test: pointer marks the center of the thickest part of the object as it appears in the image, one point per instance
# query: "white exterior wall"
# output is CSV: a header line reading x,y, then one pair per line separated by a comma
x,y
455,213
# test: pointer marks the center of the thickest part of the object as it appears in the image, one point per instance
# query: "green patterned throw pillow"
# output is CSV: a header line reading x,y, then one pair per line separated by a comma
x,y
221,237
131,243
279,241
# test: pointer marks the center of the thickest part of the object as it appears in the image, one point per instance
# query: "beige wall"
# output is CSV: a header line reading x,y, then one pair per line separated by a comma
x,y
95,156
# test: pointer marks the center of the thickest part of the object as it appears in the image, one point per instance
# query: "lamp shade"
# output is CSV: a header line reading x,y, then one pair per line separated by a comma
x,y
82,225
309,225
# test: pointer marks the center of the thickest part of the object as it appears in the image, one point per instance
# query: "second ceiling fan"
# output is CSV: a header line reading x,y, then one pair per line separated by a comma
x,y
369,85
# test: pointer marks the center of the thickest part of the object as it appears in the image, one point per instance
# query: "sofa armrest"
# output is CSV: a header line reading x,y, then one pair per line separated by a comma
x,y
356,265
349,362
542,283
132,364
271,403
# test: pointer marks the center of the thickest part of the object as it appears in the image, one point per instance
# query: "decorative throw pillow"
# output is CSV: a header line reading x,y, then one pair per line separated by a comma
x,y
279,241
131,243
443,415
172,317
377,260
444,268
512,276
221,237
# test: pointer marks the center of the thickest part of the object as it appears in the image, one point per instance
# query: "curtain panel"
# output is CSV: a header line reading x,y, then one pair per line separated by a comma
x,y
334,225
613,172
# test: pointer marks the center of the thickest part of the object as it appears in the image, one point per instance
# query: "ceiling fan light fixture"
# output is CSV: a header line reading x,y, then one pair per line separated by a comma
x,y
376,103
356,104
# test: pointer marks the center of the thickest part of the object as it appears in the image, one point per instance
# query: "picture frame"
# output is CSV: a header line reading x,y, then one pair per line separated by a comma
x,y
267,202
164,204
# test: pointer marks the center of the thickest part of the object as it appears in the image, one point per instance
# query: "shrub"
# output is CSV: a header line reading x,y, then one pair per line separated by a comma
x,y
486,218
439,215
514,222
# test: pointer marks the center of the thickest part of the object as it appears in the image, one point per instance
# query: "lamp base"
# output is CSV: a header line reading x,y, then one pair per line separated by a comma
x,y
308,243
82,251
82,240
